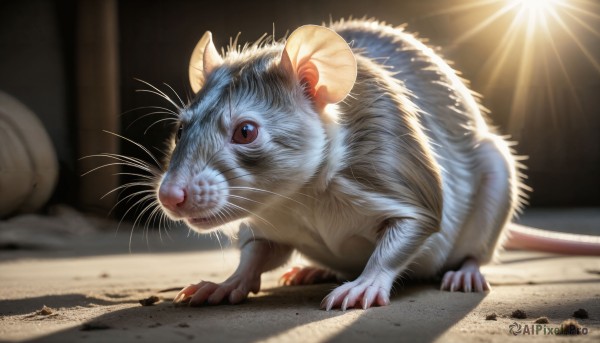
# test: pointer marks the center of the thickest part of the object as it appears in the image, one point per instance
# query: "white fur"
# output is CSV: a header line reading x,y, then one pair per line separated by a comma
x,y
404,176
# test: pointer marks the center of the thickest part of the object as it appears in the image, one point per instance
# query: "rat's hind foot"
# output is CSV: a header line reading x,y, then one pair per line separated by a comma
x,y
467,279
306,276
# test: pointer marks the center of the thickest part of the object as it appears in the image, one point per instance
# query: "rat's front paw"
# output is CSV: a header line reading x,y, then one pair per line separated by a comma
x,y
364,291
234,290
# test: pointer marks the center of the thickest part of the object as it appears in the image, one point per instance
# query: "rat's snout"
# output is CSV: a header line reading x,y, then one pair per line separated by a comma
x,y
193,196
172,196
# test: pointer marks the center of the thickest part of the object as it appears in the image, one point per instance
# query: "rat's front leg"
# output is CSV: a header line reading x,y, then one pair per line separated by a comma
x,y
399,241
257,256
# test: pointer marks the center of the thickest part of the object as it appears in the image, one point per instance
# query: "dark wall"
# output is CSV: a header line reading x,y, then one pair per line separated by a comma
x,y
557,127
37,68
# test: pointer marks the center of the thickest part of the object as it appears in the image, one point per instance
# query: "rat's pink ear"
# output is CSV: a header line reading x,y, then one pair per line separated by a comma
x,y
322,59
204,59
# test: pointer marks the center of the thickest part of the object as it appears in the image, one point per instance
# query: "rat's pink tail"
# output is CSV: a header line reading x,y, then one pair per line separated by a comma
x,y
527,238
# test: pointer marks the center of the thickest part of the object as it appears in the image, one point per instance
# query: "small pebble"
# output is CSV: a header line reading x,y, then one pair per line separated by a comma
x,y
581,314
492,316
542,320
149,301
46,311
519,314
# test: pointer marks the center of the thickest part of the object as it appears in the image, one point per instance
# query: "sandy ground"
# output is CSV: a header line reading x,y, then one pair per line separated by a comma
x,y
92,283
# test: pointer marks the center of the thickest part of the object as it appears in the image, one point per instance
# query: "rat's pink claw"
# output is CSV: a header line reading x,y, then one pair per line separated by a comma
x,y
234,290
306,276
467,279
364,291
288,276
185,294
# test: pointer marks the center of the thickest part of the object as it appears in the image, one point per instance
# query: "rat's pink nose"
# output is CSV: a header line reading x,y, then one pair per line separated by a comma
x,y
171,196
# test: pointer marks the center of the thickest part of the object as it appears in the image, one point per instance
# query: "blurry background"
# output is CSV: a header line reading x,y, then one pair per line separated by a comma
x,y
74,63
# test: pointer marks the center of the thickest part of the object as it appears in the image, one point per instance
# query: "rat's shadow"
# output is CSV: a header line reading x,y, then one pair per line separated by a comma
x,y
417,308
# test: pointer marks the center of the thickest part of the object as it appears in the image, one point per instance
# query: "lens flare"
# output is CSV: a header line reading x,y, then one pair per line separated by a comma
x,y
534,6
534,45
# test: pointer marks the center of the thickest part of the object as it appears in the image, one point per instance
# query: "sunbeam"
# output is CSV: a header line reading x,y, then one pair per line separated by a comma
x,y
531,40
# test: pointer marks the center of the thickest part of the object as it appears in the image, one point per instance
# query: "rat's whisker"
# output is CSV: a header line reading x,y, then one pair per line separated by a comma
x,y
147,115
254,189
135,205
125,186
152,178
128,198
151,206
157,92
165,109
160,95
235,177
124,161
159,121
138,145
109,165
177,95
227,170
151,220
252,213
244,198
284,207
120,157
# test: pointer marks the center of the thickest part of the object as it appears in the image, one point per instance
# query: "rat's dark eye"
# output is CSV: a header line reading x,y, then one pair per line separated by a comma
x,y
246,132
179,133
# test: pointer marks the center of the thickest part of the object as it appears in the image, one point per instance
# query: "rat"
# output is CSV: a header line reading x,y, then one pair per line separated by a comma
x,y
355,145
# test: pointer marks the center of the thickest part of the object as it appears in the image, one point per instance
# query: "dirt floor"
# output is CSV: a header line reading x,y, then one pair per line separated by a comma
x,y
84,272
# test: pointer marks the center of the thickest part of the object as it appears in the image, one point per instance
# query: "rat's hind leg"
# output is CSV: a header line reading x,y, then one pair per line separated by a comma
x,y
493,207
307,276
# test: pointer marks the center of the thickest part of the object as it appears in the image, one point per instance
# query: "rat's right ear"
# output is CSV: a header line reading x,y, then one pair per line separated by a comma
x,y
204,59
323,61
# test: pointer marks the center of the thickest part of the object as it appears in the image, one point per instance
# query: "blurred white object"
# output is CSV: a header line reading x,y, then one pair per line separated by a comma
x,y
28,162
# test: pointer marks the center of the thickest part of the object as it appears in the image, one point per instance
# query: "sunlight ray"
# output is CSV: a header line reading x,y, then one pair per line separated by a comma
x,y
472,5
521,92
504,49
577,41
563,69
583,24
581,11
481,26
521,57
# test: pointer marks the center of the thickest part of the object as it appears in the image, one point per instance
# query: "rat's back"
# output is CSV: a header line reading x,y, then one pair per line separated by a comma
x,y
437,90
449,114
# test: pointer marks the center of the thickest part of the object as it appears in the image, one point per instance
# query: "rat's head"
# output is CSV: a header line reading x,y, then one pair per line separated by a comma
x,y
254,134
